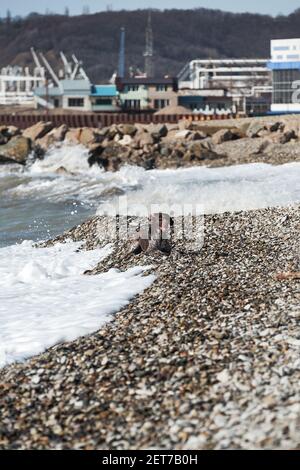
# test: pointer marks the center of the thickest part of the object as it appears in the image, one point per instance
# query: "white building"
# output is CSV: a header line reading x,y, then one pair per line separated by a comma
x,y
285,67
242,78
17,85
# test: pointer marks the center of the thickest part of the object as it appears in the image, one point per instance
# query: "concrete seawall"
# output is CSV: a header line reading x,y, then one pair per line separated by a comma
x,y
23,121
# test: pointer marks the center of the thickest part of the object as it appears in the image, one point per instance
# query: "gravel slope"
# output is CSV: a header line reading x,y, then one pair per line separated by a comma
x,y
207,358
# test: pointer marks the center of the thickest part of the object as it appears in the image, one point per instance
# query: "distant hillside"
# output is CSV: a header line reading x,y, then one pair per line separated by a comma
x,y
180,35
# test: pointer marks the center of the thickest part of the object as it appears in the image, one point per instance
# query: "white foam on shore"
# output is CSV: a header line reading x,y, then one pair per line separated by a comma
x,y
45,299
240,187
217,190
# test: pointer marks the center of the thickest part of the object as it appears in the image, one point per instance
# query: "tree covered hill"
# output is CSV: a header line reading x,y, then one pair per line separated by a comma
x,y
179,36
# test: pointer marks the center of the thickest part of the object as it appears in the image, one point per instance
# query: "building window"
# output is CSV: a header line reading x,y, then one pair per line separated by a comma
x,y
293,56
282,85
76,102
132,104
132,88
159,104
103,102
281,48
161,87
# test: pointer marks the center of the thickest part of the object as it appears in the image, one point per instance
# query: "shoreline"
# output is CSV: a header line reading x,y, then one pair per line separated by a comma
x,y
206,358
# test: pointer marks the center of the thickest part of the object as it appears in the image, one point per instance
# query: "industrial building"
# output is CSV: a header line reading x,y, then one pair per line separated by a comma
x,y
17,85
285,68
206,101
71,89
241,78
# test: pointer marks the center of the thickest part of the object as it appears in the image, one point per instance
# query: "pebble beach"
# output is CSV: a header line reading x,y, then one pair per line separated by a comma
x,y
206,358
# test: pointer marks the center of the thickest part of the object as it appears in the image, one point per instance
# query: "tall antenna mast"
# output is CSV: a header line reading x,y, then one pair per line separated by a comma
x,y
148,54
121,67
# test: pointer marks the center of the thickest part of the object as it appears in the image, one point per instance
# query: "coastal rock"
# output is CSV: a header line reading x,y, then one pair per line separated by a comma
x,y
172,127
224,135
5,160
12,131
281,137
287,136
59,133
255,129
63,171
183,134
7,132
41,146
16,150
112,131
199,153
291,129
86,136
56,136
143,138
73,136
116,150
38,131
126,140
3,138
111,157
158,131
185,124
165,150
127,129
197,135
276,126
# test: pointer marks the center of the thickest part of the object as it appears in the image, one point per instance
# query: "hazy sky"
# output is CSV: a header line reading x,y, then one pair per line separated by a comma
x,y
22,7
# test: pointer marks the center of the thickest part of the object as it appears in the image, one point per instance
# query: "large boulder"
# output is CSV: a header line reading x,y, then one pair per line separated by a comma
x,y
43,144
292,127
59,133
225,135
158,131
256,129
113,130
3,137
197,152
172,127
197,135
38,131
110,157
127,129
51,139
16,150
282,137
126,140
87,136
73,136
183,134
7,132
143,138
185,124
276,126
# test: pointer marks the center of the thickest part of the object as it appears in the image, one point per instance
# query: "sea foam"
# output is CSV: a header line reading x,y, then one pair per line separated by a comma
x,y
45,299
